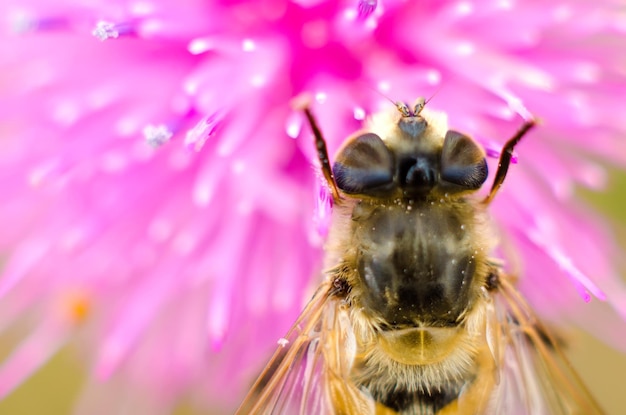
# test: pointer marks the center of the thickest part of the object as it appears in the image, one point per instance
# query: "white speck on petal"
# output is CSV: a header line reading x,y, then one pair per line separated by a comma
x,y
248,45
384,86
200,45
433,77
157,135
321,97
359,113
294,124
105,30
350,14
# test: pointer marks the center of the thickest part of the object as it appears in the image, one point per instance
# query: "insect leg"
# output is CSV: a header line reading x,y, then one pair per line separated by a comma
x,y
322,154
505,159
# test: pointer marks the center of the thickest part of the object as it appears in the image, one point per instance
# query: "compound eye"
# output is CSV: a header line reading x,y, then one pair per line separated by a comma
x,y
463,161
364,166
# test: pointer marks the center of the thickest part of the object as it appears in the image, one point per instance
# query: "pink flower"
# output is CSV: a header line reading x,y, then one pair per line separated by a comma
x,y
158,202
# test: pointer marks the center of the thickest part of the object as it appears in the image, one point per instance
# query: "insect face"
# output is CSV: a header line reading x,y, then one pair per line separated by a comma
x,y
411,161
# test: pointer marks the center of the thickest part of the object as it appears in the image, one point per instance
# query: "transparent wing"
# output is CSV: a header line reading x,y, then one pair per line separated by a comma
x,y
308,374
534,376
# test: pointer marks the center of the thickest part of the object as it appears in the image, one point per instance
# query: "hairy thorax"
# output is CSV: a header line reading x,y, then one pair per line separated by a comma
x,y
415,268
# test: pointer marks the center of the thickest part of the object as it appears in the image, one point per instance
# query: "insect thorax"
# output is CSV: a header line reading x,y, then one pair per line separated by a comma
x,y
416,263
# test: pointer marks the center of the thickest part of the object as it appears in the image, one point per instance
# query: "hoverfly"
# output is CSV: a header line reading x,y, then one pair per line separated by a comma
x,y
414,315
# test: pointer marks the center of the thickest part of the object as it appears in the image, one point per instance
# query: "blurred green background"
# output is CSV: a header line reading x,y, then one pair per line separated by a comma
x,y
53,389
